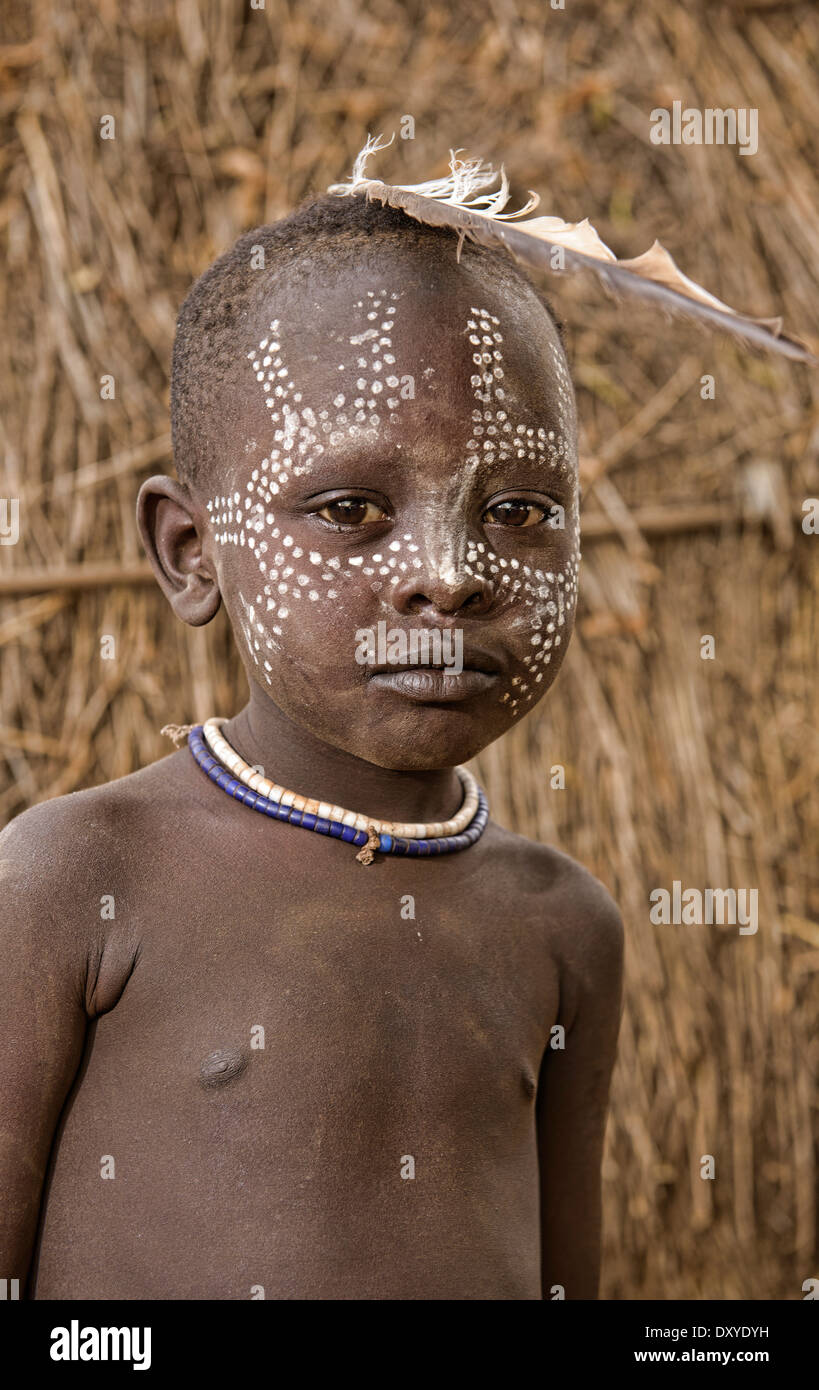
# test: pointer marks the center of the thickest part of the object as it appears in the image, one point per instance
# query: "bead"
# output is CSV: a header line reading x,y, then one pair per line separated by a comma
x,y
227,756
335,826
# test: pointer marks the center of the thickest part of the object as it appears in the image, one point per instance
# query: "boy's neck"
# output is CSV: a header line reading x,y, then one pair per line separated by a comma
x,y
303,763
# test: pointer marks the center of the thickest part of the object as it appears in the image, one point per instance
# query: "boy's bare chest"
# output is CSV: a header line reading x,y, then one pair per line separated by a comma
x,y
301,943
294,1062
314,984
357,976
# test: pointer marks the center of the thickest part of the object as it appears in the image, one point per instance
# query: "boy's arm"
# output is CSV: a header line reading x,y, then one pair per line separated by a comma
x,y
573,1093
43,968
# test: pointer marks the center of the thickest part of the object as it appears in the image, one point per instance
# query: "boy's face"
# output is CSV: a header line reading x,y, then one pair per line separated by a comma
x,y
405,434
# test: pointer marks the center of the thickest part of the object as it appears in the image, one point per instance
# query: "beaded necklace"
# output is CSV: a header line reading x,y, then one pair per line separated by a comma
x,y
224,766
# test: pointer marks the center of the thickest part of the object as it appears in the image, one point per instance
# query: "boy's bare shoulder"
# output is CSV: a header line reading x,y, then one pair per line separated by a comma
x,y
59,838
61,859
550,888
52,853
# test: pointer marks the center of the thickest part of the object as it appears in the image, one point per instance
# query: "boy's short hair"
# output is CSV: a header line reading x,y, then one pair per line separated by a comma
x,y
222,307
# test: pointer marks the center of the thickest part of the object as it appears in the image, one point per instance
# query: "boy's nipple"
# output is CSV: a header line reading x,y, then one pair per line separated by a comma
x,y
221,1066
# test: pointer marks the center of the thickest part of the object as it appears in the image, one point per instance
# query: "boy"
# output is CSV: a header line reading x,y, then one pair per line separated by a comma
x,y
267,1067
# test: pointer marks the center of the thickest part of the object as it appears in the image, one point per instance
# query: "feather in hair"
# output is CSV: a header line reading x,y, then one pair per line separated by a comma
x,y
465,201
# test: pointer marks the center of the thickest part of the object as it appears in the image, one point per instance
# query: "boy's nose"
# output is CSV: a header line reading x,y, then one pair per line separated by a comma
x,y
446,591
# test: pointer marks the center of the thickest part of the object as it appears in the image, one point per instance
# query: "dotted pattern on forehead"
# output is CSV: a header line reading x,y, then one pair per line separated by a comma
x,y
496,432
369,392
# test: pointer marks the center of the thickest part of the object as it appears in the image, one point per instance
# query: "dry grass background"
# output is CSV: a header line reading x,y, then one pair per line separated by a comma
x,y
675,767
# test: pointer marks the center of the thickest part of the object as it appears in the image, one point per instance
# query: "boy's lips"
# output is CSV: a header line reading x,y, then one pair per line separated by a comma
x,y
435,684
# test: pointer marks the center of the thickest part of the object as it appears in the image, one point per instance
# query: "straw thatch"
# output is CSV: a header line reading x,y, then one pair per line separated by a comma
x,y
676,767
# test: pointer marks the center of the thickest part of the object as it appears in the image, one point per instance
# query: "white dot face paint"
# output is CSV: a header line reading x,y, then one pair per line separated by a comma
x,y
301,434
498,433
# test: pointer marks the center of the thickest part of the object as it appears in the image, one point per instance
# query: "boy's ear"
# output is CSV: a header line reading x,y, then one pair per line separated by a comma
x,y
166,517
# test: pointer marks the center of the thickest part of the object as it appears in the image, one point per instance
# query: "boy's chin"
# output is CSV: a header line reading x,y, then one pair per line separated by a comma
x,y
425,741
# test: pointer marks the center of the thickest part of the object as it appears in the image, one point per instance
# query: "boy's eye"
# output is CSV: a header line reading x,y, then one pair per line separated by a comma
x,y
516,513
352,511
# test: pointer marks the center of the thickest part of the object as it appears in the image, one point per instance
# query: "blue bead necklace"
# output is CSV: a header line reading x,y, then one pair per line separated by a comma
x,y
368,841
